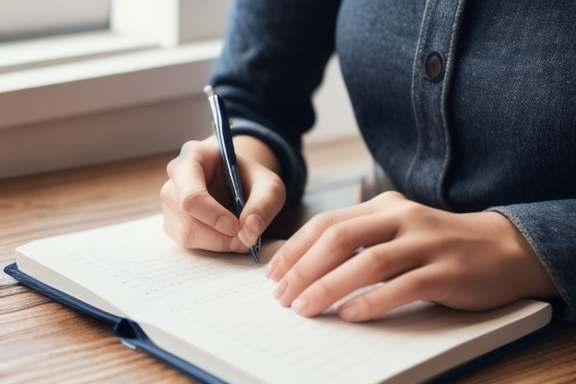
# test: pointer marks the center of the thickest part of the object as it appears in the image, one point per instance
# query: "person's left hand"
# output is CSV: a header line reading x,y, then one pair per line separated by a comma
x,y
470,261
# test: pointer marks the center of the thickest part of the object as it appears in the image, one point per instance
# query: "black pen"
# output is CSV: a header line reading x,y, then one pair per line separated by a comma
x,y
224,136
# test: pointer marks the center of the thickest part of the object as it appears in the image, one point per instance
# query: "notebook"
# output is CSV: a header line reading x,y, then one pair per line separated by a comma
x,y
213,316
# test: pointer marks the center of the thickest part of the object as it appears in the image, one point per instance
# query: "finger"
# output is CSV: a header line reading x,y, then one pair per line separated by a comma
x,y
373,265
307,236
191,233
190,173
334,247
417,284
266,195
220,223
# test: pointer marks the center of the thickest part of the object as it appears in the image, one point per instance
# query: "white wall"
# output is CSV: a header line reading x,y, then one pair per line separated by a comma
x,y
334,116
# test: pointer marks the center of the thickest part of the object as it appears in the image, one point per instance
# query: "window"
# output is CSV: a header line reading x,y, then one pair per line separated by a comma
x,y
26,19
111,79
98,80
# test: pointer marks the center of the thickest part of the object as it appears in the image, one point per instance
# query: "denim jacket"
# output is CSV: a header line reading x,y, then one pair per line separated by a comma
x,y
466,105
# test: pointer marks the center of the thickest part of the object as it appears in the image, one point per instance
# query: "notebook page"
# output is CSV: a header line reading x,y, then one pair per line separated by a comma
x,y
263,342
128,265
222,306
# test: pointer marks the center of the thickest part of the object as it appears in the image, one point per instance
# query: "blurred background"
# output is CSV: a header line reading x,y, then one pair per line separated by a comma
x,y
91,81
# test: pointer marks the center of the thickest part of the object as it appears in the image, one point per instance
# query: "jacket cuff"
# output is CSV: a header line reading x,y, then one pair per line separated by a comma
x,y
550,228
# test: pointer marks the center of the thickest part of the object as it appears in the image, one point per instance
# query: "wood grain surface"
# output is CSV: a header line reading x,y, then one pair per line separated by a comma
x,y
42,341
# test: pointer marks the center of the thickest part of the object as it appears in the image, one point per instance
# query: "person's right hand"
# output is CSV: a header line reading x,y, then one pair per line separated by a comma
x,y
195,198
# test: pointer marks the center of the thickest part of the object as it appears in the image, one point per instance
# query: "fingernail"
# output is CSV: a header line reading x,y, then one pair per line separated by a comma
x,y
226,226
300,304
271,268
247,236
280,290
238,246
348,311
255,223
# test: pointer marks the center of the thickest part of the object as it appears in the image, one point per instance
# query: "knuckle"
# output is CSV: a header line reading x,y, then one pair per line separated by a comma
x,y
320,292
187,235
411,208
189,146
165,192
394,195
171,167
298,280
323,220
390,197
277,187
192,199
418,286
297,275
366,306
190,149
394,205
458,273
378,260
337,236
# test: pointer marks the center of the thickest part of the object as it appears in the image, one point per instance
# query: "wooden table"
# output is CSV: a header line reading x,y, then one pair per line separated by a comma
x,y
42,341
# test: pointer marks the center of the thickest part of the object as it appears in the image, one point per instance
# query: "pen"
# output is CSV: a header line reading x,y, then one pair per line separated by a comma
x,y
224,137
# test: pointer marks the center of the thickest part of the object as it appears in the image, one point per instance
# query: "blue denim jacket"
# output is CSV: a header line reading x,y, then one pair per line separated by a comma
x,y
466,105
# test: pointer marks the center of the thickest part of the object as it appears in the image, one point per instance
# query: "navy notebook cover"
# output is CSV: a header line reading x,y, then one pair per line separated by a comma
x,y
132,335
128,331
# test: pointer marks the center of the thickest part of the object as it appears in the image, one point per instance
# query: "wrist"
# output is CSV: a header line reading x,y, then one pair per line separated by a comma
x,y
536,282
256,150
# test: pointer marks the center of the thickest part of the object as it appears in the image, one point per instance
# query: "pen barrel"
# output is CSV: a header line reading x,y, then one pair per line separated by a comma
x,y
227,154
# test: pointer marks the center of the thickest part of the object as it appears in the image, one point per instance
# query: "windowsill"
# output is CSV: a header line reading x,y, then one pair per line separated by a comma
x,y
132,72
27,54
71,103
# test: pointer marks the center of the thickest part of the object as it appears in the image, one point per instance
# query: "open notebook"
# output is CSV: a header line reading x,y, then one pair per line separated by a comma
x,y
213,316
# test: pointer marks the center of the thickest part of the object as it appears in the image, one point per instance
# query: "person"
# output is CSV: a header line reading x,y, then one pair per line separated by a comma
x,y
468,106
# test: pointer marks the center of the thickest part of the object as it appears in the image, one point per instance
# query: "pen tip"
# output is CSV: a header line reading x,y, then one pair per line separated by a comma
x,y
254,252
208,90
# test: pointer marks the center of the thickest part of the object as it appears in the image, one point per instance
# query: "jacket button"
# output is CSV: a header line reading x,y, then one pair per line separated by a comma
x,y
434,66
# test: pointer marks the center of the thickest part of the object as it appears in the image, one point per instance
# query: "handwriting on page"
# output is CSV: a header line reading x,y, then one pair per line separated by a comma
x,y
153,272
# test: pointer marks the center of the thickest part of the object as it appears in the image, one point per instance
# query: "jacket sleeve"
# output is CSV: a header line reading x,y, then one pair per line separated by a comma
x,y
550,228
273,59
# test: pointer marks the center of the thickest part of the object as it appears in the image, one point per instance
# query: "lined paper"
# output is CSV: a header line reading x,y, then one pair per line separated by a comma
x,y
217,311
241,315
